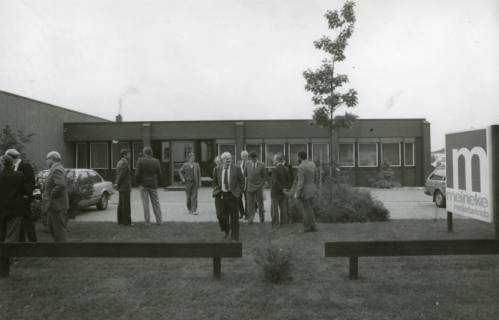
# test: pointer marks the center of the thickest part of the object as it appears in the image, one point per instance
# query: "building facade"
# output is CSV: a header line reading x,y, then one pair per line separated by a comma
x,y
402,143
45,121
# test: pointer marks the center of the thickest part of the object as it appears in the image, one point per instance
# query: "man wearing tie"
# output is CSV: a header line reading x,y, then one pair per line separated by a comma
x,y
228,184
243,205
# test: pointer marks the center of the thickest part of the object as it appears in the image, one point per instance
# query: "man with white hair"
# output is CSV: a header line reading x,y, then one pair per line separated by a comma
x,y
55,200
27,223
242,204
228,184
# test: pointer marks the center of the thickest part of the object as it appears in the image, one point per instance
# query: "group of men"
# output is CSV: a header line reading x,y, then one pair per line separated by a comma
x,y
147,176
237,190
17,182
233,183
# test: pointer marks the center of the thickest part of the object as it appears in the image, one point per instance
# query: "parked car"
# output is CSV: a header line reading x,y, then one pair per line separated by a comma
x,y
86,188
435,186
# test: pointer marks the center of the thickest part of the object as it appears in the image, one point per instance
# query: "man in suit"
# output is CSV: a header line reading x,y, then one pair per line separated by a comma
x,y
27,225
279,203
256,175
12,192
190,174
55,200
306,190
147,174
228,184
216,196
124,186
243,205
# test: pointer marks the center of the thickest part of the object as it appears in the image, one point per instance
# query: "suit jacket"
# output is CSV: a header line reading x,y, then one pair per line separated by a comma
x,y
279,180
12,191
255,176
236,181
55,193
305,186
29,184
148,172
188,174
123,176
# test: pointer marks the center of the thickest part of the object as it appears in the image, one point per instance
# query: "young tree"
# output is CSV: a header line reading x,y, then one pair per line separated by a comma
x,y
11,140
324,82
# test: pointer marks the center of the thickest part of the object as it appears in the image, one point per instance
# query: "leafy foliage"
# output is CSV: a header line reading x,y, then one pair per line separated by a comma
x,y
340,202
385,178
324,83
276,263
13,140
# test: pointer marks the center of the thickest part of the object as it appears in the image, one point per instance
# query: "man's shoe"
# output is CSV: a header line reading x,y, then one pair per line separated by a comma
x,y
195,213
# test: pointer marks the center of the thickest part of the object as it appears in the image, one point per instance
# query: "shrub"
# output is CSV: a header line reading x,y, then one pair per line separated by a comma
x,y
276,263
385,178
342,203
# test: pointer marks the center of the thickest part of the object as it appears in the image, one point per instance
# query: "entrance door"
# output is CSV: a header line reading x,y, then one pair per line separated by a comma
x,y
180,152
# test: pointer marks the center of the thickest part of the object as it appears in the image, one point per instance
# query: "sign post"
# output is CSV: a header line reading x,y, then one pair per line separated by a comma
x,y
472,175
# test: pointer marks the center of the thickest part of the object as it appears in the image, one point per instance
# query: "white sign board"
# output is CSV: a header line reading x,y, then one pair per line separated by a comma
x,y
470,173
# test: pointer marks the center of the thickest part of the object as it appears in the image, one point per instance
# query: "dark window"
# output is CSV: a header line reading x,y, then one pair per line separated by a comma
x,y
346,155
99,155
409,154
390,154
81,155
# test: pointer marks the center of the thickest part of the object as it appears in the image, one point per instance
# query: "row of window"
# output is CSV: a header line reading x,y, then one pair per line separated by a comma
x,y
366,154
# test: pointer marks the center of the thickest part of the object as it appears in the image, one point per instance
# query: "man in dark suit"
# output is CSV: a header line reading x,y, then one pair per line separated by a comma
x,y
190,174
27,225
55,200
243,205
124,187
147,174
279,203
256,176
12,193
228,184
306,190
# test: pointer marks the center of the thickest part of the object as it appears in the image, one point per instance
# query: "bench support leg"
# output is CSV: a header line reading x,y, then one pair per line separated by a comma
x,y
4,267
354,267
449,222
217,267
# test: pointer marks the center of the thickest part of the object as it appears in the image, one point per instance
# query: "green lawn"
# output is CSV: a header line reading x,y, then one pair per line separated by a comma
x,y
456,287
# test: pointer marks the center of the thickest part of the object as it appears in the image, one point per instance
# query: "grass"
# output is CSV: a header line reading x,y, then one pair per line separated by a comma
x,y
455,287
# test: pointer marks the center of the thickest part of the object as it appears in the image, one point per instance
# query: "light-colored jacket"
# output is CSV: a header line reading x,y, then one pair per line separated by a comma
x,y
55,194
191,174
305,186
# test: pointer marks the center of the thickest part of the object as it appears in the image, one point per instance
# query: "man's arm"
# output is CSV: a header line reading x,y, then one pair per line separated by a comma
x,y
198,173
181,173
300,183
59,179
138,171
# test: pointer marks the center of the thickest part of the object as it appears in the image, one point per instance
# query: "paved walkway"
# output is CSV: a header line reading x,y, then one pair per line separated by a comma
x,y
404,203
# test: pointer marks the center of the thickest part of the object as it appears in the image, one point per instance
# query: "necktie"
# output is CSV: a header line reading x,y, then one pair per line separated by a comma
x,y
226,179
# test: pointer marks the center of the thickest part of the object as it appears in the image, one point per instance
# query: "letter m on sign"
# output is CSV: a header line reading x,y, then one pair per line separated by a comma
x,y
468,157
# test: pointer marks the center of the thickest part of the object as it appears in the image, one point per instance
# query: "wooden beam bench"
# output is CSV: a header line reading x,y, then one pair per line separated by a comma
x,y
355,249
215,250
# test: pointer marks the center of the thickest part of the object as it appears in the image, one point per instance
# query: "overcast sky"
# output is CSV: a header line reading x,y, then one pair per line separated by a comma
x,y
234,59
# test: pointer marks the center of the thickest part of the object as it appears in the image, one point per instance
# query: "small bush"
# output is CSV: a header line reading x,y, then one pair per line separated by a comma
x,y
342,203
385,178
276,263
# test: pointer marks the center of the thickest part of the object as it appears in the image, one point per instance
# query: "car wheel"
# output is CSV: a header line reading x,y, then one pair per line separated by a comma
x,y
103,202
439,199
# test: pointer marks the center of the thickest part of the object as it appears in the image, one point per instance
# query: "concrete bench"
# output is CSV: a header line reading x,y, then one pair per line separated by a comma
x,y
355,249
217,251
